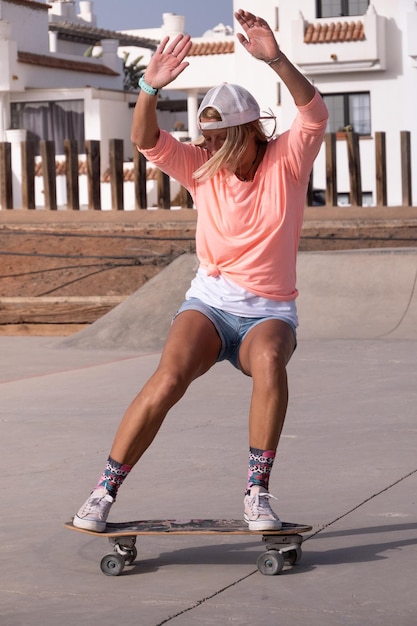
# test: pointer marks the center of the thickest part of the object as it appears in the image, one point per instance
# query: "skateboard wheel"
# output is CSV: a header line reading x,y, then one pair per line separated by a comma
x,y
293,556
112,564
270,563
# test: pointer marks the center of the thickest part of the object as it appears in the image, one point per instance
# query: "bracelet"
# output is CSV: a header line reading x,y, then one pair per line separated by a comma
x,y
151,91
274,60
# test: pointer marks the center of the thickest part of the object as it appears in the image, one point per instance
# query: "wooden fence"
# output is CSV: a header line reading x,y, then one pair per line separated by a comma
x,y
70,168
354,165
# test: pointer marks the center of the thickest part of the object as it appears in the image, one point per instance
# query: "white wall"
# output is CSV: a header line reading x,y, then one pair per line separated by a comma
x,y
36,76
29,27
108,117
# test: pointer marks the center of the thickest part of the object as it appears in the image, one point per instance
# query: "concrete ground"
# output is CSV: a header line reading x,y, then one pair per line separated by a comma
x,y
346,464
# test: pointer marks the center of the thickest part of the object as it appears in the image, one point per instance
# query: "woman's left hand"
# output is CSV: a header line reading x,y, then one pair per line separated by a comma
x,y
260,41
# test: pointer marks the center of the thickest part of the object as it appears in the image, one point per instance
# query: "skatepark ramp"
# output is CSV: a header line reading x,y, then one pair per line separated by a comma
x,y
357,294
142,321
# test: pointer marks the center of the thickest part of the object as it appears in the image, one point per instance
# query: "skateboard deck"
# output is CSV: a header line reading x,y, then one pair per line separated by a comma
x,y
282,545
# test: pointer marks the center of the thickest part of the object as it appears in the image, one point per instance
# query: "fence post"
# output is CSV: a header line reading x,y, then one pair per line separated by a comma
x,y
164,200
310,191
28,175
6,186
139,179
190,201
92,150
71,173
49,174
354,160
331,169
381,169
407,195
116,173
185,198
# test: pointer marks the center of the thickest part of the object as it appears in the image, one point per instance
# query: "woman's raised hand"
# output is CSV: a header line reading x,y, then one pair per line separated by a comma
x,y
259,41
168,61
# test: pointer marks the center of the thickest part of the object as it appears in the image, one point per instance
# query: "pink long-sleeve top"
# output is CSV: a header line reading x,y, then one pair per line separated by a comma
x,y
249,231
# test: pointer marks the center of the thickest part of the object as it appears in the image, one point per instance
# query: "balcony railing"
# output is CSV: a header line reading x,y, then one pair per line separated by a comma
x,y
354,44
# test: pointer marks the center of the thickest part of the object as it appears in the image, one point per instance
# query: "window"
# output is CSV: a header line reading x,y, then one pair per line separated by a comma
x,y
340,8
349,109
55,121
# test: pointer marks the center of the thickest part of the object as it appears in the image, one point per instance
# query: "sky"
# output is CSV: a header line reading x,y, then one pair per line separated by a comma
x,y
131,14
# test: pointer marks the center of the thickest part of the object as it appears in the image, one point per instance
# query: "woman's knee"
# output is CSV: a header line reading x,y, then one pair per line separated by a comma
x,y
270,362
170,385
268,348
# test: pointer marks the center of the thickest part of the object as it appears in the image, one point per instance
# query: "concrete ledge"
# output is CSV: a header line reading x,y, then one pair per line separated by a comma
x,y
56,310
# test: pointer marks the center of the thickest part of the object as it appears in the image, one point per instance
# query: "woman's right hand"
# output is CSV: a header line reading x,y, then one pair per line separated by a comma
x,y
168,61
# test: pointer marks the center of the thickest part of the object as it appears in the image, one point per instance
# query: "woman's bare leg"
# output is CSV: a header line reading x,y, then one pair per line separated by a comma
x,y
190,350
264,355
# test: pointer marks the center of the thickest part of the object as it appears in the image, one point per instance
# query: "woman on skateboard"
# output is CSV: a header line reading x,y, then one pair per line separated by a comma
x,y
249,191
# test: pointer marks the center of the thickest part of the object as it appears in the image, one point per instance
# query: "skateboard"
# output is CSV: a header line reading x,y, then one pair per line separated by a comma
x,y
282,546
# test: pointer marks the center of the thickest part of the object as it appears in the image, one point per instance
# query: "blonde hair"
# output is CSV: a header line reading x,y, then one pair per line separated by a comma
x,y
234,146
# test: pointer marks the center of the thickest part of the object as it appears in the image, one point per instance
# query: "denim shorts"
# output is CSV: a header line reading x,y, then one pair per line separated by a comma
x,y
231,328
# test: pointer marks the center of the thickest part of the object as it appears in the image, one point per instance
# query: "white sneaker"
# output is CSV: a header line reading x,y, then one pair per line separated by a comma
x,y
95,511
258,513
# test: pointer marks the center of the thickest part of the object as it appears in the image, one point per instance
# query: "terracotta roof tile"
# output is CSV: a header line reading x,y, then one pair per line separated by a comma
x,y
334,32
93,35
205,48
45,60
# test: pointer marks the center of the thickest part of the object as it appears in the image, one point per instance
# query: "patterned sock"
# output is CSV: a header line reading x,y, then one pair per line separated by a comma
x,y
260,466
113,476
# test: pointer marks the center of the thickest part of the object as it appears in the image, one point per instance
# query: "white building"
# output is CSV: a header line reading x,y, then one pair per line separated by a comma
x,y
49,87
360,54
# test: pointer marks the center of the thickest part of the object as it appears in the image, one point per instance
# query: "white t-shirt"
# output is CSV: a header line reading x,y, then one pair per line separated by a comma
x,y
222,293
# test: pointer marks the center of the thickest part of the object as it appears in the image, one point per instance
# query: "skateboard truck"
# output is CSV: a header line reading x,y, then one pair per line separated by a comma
x,y
124,553
279,549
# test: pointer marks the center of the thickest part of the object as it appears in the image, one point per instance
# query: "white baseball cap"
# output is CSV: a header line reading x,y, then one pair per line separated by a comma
x,y
234,104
